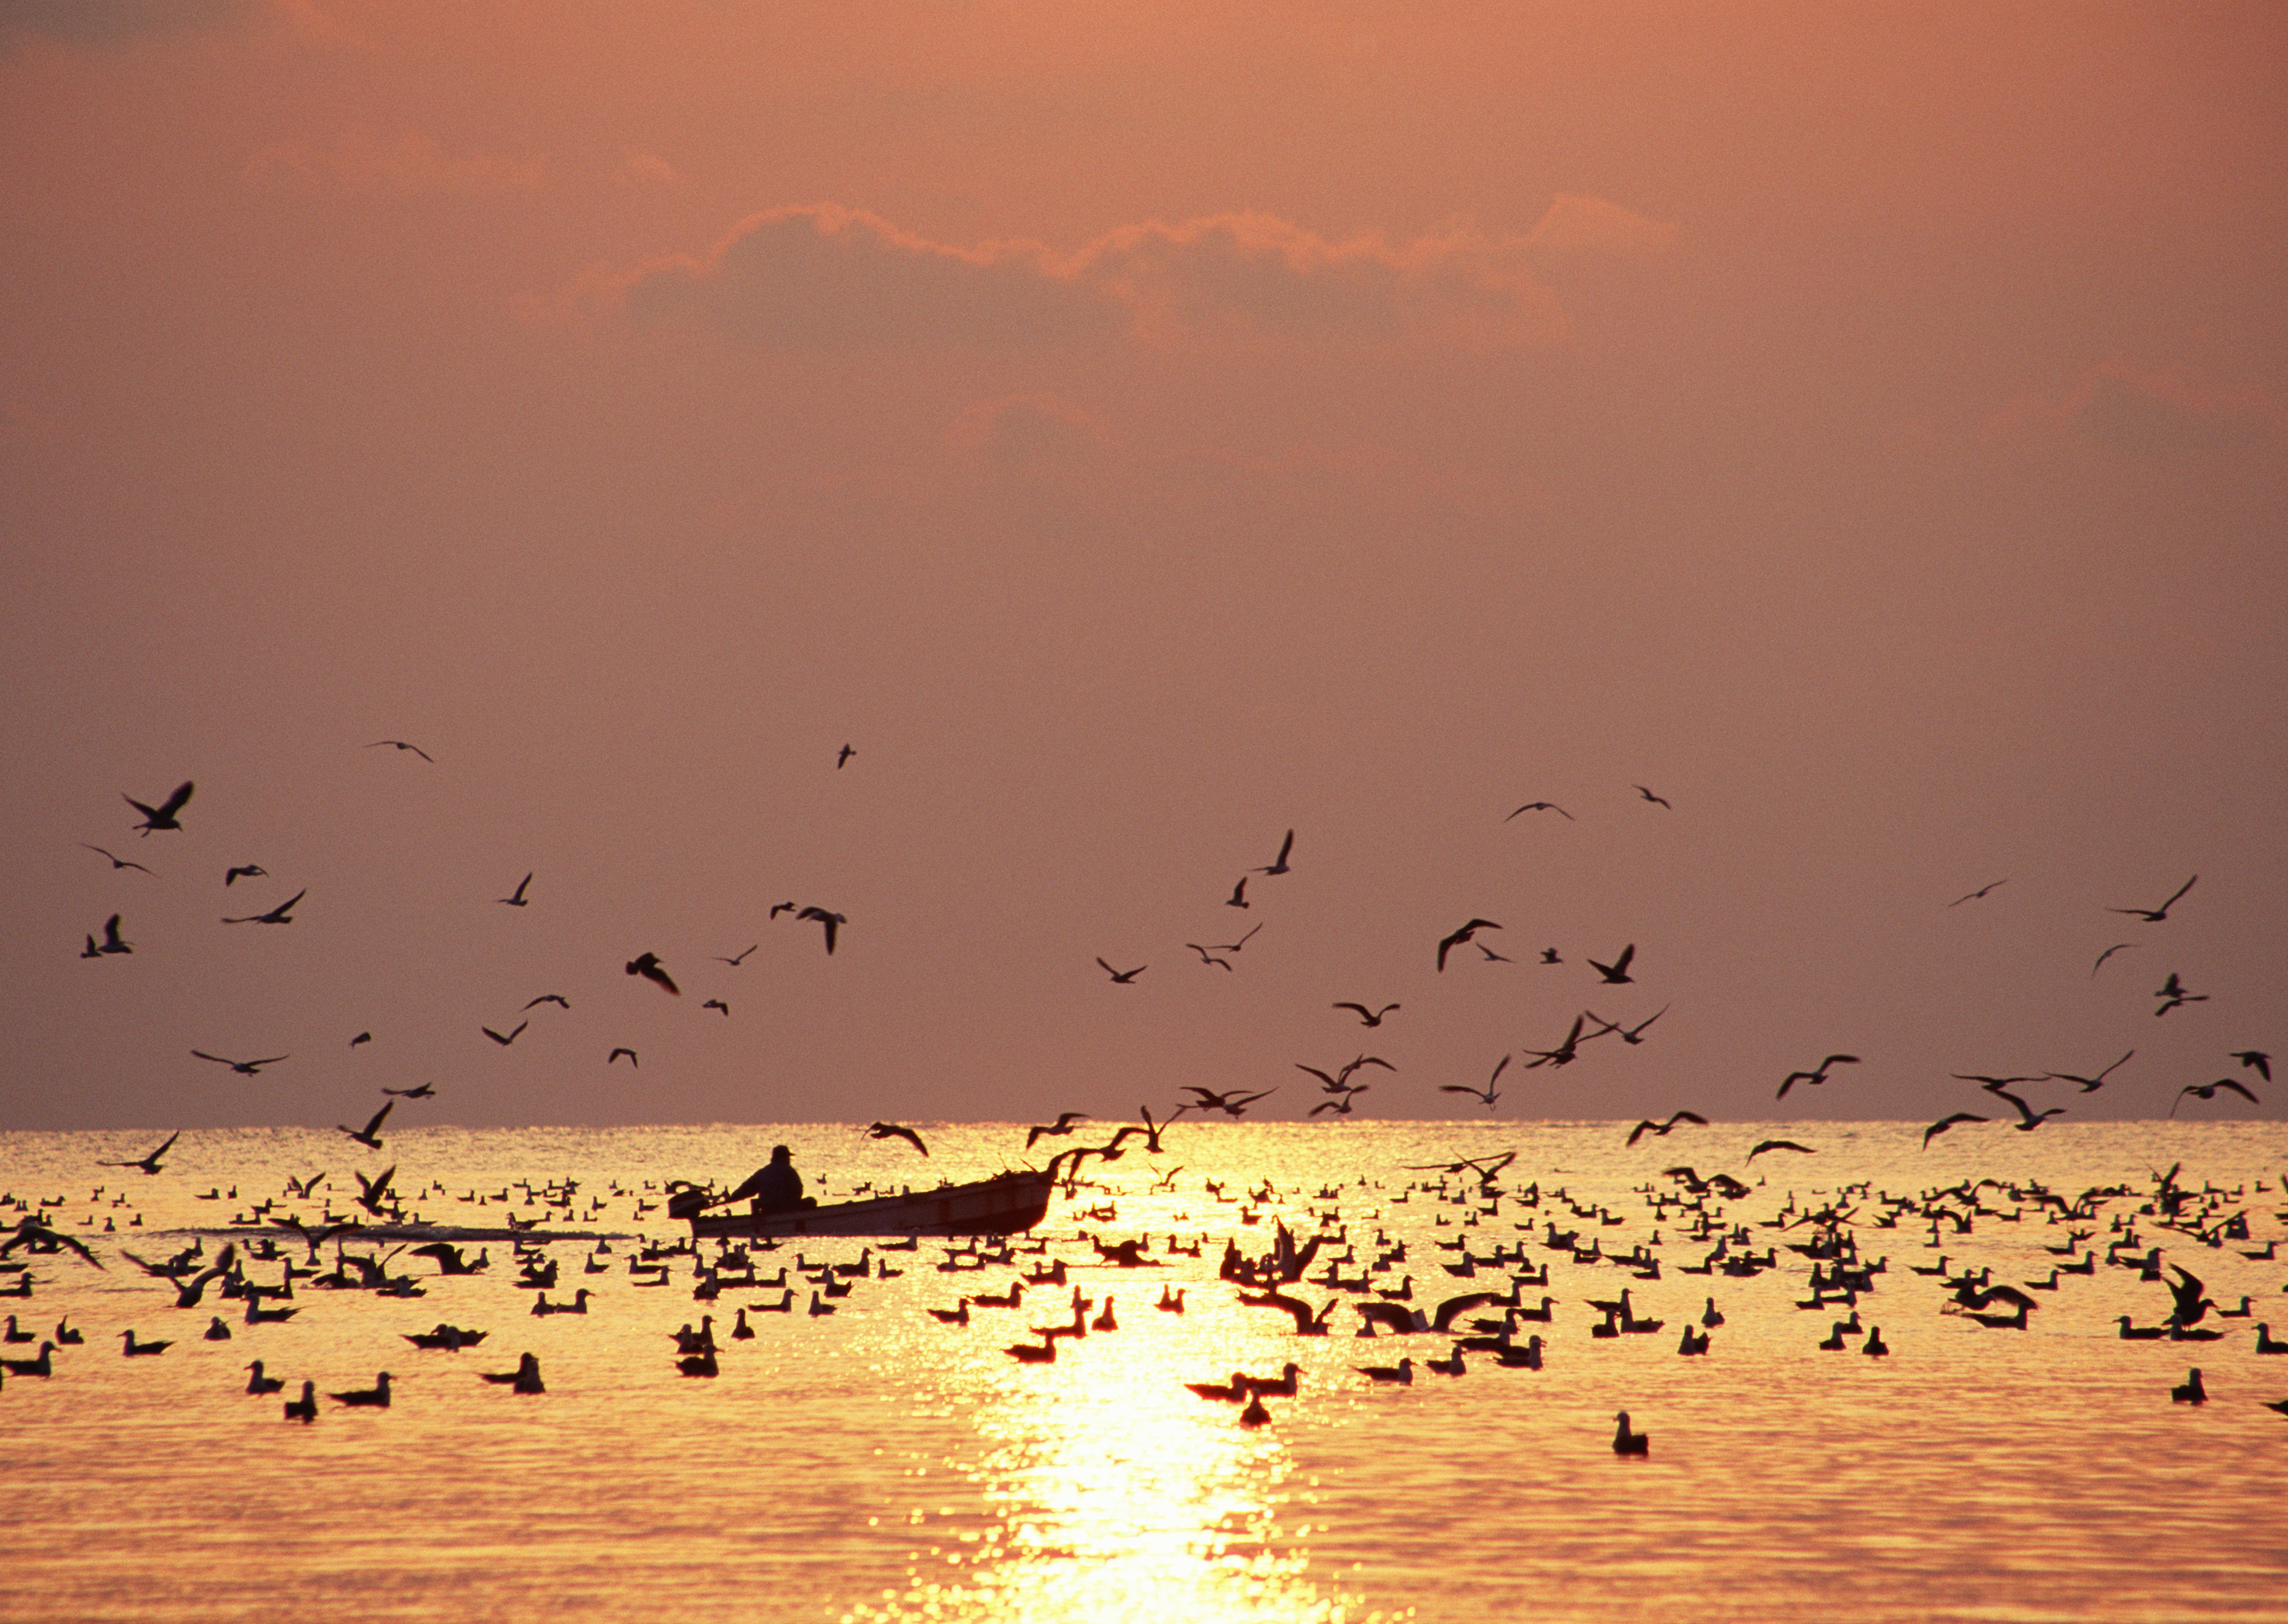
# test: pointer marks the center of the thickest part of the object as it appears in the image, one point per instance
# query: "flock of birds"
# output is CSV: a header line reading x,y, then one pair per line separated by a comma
x,y
1363,1245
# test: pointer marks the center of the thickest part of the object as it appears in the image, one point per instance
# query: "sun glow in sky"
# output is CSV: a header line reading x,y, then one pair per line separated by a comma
x,y
1137,431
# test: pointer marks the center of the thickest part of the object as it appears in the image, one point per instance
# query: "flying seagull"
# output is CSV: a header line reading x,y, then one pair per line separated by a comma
x,y
2029,1119
150,1163
1448,944
1492,956
2155,915
369,1135
504,1041
1564,1054
2107,953
843,755
2087,1083
401,745
1231,1103
832,922
1125,977
1973,896
717,1003
1238,898
1649,795
1544,806
1232,946
555,998
1617,973
2254,1060
647,966
890,1130
425,1092
245,871
162,816
111,943
2208,1091
1488,1094
617,1053
282,915
2172,992
244,1068
1943,1123
117,862
362,1037
1817,1076
1663,1128
1629,1035
517,899
735,962
1205,957
1062,1126
1369,1018
1279,863
1780,1145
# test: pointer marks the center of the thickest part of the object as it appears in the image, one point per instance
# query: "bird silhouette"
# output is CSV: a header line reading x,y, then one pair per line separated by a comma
x,y
1544,806
2107,953
735,962
1780,1145
362,1037
1062,1126
1564,1054
117,862
2155,915
2087,1083
1664,1128
617,1053
2172,993
374,1193
1629,1035
2029,1119
558,999
1975,895
517,899
1231,1102
1205,957
245,871
1487,1094
2208,1091
647,966
1279,863
111,942
1238,898
1617,973
1446,944
1124,976
842,755
1818,1074
1649,795
1367,1017
832,922
1234,947
369,1135
401,745
892,1130
511,1037
244,1068
1943,1123
717,1003
425,1091
162,816
2254,1060
282,915
150,1163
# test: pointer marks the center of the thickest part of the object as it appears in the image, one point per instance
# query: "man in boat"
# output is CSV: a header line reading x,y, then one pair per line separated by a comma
x,y
775,1186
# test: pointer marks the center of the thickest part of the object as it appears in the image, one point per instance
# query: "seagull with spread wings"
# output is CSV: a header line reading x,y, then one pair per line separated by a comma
x,y
1814,1076
1125,978
2087,1083
517,899
832,922
244,1068
2155,915
1617,973
150,1163
117,862
369,1135
1367,1017
1973,895
1943,1123
1488,1094
2172,993
282,915
1664,1129
1279,863
1544,806
401,745
892,1130
2208,1091
162,816
647,966
1448,944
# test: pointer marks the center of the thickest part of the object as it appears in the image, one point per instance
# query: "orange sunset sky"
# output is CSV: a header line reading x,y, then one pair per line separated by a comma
x,y
1139,429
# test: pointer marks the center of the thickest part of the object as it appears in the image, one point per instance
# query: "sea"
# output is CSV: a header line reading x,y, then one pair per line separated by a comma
x,y
875,1463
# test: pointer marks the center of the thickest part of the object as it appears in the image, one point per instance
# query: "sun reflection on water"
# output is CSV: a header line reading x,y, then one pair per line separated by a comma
x,y
1105,1491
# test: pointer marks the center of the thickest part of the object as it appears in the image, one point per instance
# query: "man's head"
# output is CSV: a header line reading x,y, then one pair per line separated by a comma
x,y
778,1152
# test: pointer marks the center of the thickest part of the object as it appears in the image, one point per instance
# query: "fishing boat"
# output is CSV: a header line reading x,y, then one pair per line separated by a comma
x,y
1007,1204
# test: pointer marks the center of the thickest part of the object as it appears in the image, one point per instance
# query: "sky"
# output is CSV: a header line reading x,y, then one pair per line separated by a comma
x,y
1137,431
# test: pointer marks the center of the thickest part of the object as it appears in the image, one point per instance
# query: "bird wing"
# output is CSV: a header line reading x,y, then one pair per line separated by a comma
x,y
373,1126
181,797
1620,964
1452,1306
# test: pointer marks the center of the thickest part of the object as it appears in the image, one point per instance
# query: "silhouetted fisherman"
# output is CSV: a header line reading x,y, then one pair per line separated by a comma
x,y
775,1187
